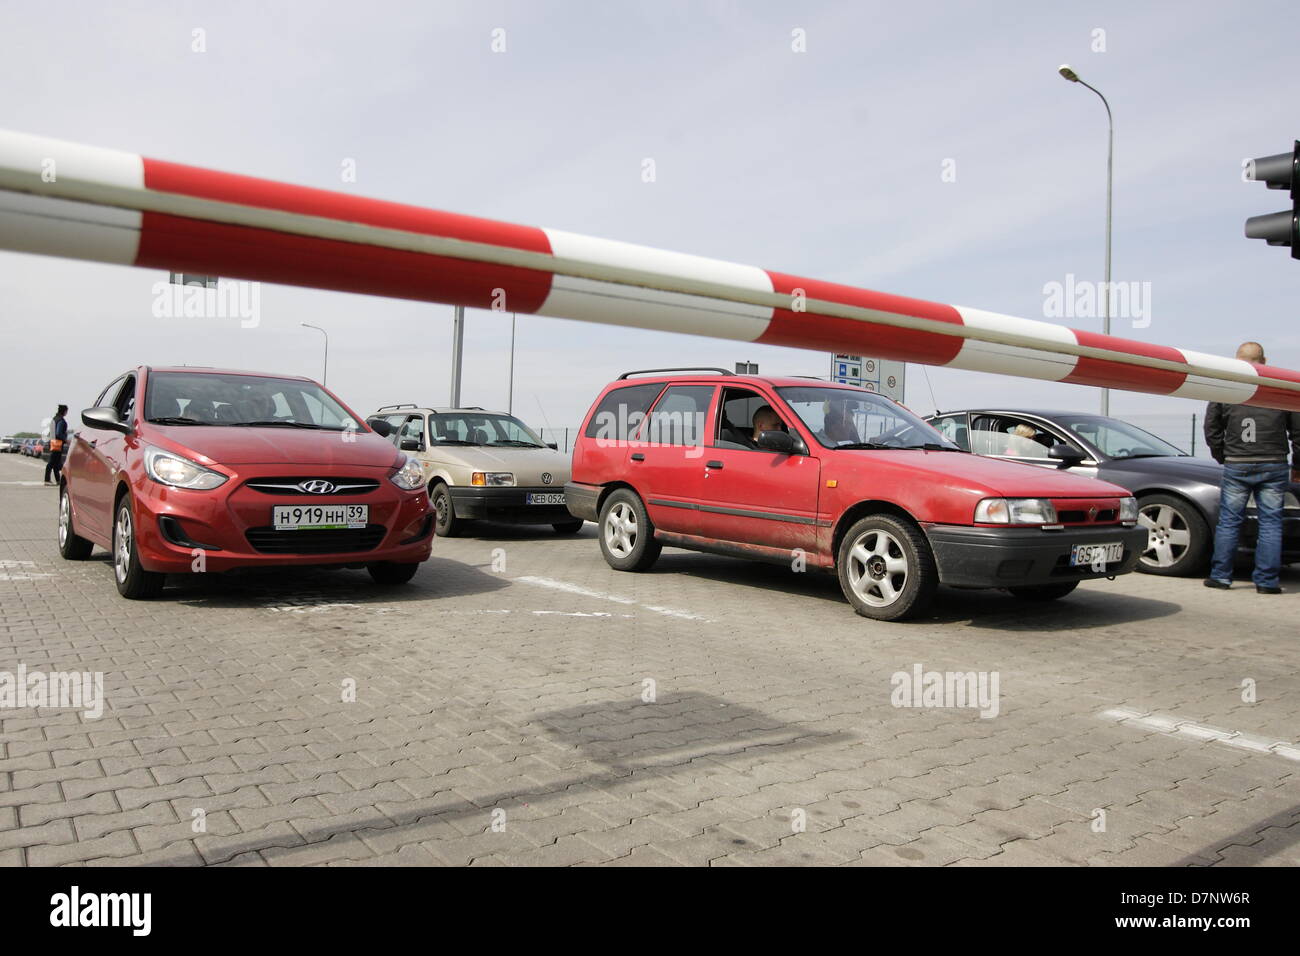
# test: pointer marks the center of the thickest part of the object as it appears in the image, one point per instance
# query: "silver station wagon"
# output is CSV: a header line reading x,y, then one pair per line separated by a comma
x,y
481,464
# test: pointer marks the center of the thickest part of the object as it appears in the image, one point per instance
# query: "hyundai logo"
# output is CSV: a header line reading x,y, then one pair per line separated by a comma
x,y
317,486
546,477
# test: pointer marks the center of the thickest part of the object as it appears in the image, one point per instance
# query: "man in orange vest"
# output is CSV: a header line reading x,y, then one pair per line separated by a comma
x,y
58,439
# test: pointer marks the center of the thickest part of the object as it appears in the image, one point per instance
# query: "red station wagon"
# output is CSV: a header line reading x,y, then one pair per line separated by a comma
x,y
181,470
797,470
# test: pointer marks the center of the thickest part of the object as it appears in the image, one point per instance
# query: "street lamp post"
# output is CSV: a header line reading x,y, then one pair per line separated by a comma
x,y
1066,71
325,372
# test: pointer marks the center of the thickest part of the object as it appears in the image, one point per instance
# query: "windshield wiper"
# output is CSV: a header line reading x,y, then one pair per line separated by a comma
x,y
875,445
176,420
515,441
1150,454
456,441
271,423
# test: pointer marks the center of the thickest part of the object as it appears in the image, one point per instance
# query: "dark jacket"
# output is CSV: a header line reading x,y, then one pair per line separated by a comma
x,y
1242,434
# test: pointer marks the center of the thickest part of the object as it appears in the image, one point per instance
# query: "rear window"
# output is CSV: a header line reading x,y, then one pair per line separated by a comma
x,y
621,411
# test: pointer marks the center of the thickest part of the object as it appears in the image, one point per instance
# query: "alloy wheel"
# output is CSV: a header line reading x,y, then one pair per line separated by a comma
x,y
877,568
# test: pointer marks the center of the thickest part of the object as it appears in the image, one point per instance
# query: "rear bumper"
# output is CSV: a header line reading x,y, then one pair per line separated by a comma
x,y
582,500
1024,557
508,504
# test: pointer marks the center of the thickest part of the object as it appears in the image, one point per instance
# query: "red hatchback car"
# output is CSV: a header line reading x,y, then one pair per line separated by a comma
x,y
181,470
804,472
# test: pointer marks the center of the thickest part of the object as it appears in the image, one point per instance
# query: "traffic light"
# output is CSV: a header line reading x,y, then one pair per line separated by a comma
x,y
1278,172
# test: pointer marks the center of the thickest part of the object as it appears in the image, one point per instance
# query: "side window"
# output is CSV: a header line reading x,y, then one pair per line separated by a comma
x,y
1008,437
736,418
678,417
413,428
395,423
125,400
621,410
953,428
108,394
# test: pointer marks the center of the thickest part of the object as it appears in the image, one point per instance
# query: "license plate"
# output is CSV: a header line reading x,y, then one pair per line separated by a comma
x,y
544,499
319,517
1096,553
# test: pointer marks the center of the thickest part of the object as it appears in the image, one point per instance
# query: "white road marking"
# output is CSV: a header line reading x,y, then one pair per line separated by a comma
x,y
1183,727
29,484
21,571
602,596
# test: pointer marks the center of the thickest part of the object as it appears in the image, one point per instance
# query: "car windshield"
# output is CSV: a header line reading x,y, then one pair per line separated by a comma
x,y
482,428
1117,439
853,418
252,401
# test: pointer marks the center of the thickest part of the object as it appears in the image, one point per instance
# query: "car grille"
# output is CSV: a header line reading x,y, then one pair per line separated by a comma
x,y
293,486
1081,517
348,540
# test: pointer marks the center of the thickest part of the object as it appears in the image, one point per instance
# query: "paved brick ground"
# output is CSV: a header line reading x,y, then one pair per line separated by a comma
x,y
500,717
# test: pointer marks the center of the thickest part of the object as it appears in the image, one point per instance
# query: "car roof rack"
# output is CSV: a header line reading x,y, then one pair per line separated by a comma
x,y
386,408
684,368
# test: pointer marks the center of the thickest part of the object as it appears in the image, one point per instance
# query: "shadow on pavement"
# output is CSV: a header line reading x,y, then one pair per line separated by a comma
x,y
601,732
437,578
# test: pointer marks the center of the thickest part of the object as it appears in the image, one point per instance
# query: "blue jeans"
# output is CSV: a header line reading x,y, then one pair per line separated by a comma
x,y
1269,482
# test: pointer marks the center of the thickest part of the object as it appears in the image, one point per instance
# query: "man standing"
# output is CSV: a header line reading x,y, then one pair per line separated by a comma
x,y
58,439
1252,445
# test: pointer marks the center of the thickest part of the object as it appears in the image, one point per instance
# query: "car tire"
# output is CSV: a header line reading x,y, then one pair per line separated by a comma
x,y
627,535
1044,592
446,523
72,547
886,568
1178,537
133,581
568,527
390,573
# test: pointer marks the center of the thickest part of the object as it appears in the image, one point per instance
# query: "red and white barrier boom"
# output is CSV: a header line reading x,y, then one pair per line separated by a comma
x,y
83,202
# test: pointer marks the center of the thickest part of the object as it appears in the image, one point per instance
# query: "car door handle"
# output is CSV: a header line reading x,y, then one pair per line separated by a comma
x,y
713,464
638,457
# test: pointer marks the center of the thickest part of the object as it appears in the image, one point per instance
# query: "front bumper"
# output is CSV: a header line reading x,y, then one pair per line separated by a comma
x,y
984,557
508,504
229,528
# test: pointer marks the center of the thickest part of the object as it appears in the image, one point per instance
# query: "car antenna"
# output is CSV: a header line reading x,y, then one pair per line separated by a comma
x,y
926,372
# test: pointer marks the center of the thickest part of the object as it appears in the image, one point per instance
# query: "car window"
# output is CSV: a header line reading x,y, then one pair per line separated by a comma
x,y
735,425
125,400
953,428
1007,436
215,398
482,428
110,392
413,427
846,416
1119,439
678,417
621,411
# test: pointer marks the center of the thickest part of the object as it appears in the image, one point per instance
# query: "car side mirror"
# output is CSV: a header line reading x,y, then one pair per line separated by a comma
x,y
380,427
1067,455
106,417
412,444
780,441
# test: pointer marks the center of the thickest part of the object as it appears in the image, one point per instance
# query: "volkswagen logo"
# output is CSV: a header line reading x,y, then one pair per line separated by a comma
x,y
546,478
317,486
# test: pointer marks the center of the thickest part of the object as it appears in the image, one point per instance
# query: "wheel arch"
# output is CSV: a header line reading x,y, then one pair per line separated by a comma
x,y
860,510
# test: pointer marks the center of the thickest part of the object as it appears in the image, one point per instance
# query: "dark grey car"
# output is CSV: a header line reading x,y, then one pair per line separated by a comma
x,y
1178,495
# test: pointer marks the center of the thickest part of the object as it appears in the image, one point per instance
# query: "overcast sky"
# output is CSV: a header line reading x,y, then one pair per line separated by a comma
x,y
829,163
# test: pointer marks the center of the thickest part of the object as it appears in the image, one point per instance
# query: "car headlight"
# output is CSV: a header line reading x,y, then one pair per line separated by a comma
x,y
168,468
1015,511
492,479
410,477
1128,509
